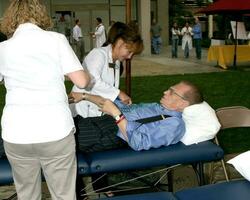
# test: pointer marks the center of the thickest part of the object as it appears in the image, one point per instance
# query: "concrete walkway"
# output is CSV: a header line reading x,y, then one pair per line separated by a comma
x,y
164,64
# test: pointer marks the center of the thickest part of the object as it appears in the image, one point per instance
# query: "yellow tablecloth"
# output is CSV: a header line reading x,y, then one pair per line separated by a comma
x,y
224,54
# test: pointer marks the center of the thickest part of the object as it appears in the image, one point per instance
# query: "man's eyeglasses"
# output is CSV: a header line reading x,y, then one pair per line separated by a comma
x,y
172,91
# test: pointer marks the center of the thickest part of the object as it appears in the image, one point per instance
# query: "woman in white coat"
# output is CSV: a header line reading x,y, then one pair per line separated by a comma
x,y
187,44
104,65
100,33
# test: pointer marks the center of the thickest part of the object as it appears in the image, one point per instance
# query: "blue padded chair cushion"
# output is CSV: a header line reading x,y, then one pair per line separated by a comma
x,y
82,163
128,159
145,196
233,190
5,172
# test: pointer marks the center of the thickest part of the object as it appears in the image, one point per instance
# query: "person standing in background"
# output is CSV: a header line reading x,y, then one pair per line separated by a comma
x,y
78,40
187,45
197,38
37,126
156,37
175,39
100,33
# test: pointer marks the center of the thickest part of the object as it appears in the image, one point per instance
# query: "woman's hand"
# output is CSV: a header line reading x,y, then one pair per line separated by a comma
x,y
124,98
75,97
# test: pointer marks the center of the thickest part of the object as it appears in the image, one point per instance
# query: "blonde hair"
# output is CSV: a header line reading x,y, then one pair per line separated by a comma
x,y
23,11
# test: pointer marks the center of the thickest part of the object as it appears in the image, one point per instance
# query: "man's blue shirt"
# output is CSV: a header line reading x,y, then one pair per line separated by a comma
x,y
154,134
197,31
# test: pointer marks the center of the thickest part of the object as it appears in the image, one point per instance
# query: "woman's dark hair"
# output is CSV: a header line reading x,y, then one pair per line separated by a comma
x,y
122,31
116,30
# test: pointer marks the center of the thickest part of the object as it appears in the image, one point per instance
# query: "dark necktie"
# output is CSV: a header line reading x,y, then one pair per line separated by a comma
x,y
113,66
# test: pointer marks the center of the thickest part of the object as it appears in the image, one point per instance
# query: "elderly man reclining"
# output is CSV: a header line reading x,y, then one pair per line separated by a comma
x,y
150,125
182,107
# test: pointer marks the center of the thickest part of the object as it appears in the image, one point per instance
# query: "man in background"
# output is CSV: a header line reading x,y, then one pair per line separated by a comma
x,y
156,37
197,38
78,40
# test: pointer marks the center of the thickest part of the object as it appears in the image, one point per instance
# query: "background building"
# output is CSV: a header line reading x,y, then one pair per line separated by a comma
x,y
64,13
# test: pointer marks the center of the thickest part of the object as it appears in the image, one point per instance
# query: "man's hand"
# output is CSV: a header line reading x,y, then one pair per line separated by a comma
x,y
125,98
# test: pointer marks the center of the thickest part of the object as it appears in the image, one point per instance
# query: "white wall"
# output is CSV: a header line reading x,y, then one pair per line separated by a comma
x,y
88,10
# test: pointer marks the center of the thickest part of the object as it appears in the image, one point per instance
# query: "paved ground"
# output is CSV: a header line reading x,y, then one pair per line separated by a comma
x,y
163,64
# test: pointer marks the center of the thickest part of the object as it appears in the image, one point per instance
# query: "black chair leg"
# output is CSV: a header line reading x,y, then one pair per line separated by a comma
x,y
170,181
199,171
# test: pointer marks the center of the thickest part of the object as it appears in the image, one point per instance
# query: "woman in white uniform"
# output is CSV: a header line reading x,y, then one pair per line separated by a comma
x,y
37,126
104,65
100,33
187,43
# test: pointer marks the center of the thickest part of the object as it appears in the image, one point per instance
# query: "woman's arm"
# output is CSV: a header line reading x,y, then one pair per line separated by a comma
x,y
80,78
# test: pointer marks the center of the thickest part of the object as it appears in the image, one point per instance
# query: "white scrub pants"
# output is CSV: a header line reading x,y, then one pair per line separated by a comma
x,y
56,159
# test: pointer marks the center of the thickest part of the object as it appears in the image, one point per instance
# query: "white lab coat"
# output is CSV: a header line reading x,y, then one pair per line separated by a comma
x,y
100,35
106,81
186,37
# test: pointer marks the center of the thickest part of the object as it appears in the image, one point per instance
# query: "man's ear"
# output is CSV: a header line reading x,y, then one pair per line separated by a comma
x,y
184,104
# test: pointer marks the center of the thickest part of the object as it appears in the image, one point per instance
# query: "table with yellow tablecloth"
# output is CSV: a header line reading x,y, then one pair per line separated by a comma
x,y
224,54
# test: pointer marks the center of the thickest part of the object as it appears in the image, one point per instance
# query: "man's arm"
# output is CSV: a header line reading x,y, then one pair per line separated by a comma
x,y
105,105
75,97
